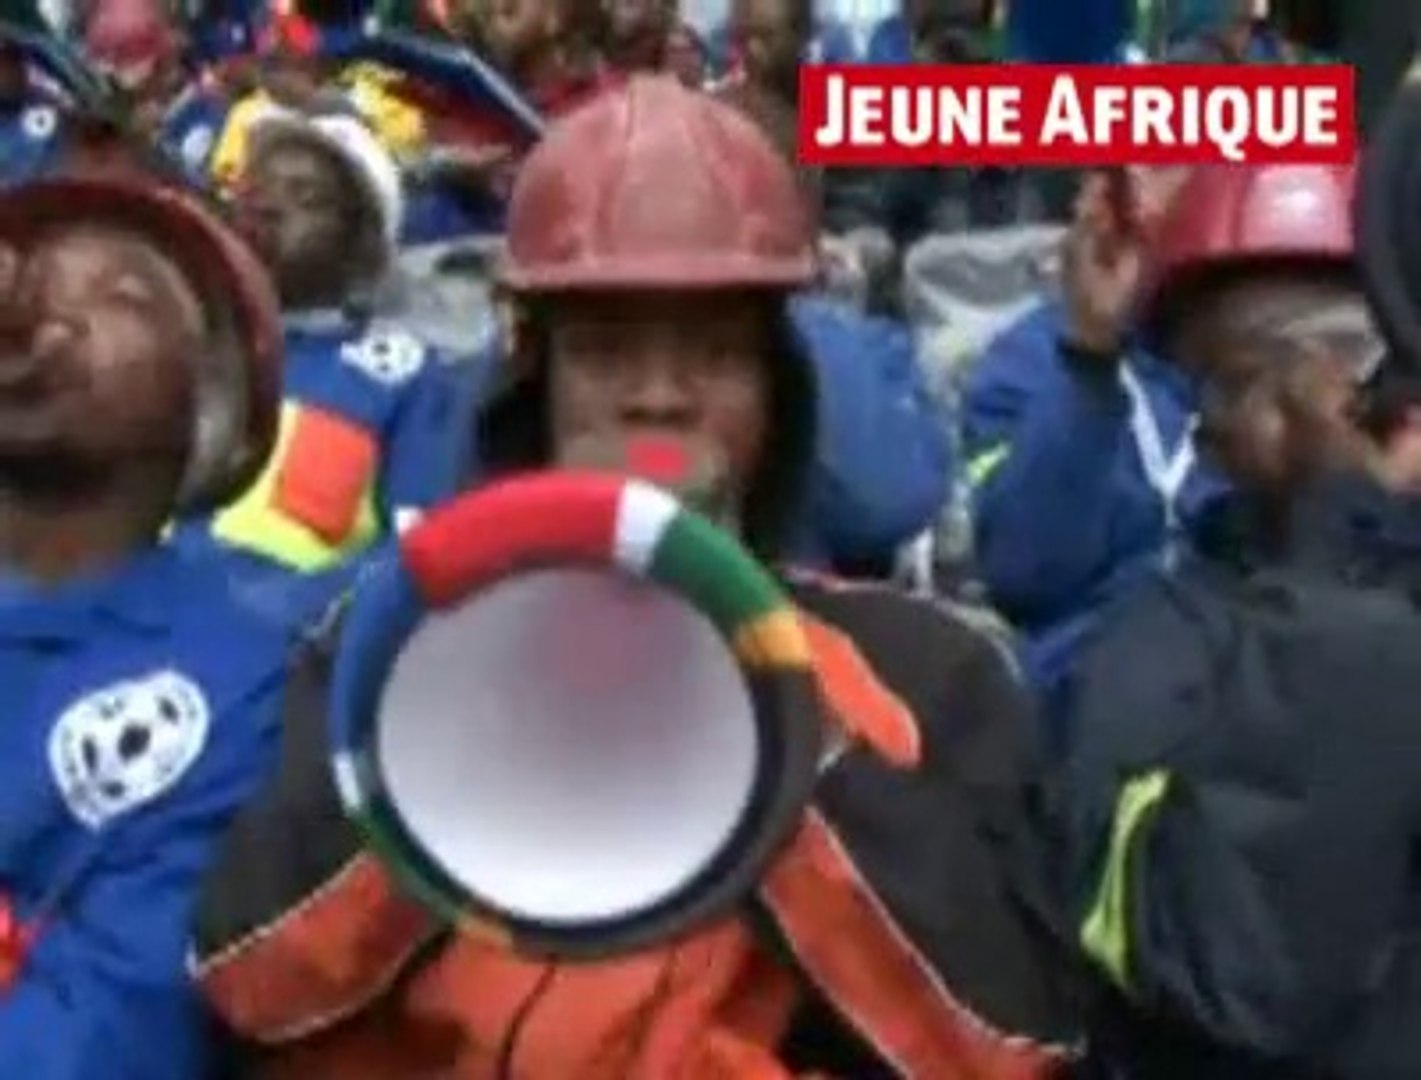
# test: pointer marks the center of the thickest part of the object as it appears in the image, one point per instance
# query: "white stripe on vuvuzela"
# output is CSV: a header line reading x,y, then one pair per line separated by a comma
x,y
643,514
348,783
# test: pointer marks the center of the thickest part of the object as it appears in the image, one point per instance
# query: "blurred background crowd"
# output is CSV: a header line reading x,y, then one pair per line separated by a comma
x,y
455,92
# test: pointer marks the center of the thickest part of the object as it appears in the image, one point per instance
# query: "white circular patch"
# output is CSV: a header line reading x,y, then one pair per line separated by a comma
x,y
197,145
39,123
118,748
389,357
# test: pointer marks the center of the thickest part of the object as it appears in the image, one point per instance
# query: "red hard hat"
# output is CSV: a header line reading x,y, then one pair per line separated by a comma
x,y
1232,218
228,278
654,186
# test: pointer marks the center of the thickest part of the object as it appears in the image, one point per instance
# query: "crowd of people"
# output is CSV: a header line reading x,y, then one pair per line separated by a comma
x,y
1131,794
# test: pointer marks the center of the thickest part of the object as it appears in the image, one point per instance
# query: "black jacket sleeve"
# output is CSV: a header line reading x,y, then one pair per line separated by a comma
x,y
958,849
295,885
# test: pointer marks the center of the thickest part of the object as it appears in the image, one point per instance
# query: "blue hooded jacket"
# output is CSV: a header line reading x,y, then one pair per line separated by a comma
x,y
391,400
883,466
1070,501
142,709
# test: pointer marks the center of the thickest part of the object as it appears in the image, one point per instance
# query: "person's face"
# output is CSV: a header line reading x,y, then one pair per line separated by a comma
x,y
1279,387
1399,460
927,16
296,205
515,28
628,19
772,41
469,21
688,367
1235,31
98,329
685,58
292,79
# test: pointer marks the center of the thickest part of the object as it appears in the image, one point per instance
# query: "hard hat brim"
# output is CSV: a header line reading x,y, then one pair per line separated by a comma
x,y
660,274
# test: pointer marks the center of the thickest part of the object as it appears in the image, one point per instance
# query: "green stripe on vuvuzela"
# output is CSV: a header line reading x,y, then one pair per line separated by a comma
x,y
713,572
1107,932
416,874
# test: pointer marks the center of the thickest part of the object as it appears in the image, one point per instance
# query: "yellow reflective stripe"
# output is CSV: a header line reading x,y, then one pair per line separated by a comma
x,y
230,156
253,522
1105,934
981,467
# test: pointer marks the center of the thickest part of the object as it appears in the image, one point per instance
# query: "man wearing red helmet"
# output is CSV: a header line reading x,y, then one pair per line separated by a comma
x,y
1241,753
922,945
139,345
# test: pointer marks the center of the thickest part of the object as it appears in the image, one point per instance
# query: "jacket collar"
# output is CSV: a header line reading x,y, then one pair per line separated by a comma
x,y
135,596
316,321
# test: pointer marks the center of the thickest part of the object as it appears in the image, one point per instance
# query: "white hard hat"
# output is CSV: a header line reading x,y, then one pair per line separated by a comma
x,y
373,168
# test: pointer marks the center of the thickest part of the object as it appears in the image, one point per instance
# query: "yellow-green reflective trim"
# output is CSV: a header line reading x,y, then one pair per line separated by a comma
x,y
981,467
254,523
1106,932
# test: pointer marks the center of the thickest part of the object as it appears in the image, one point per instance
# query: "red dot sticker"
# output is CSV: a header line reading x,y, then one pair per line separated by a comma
x,y
15,942
662,461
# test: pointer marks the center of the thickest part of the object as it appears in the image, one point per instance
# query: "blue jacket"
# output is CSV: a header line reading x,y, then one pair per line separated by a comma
x,y
367,440
1064,507
890,42
388,383
883,468
1081,32
141,710
28,138
436,212
192,129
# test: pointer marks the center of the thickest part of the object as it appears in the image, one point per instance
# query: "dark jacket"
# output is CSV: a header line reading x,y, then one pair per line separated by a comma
x,y
142,709
909,928
1244,799
308,953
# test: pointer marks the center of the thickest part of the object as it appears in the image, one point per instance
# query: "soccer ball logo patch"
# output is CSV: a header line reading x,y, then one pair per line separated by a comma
x,y
119,748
